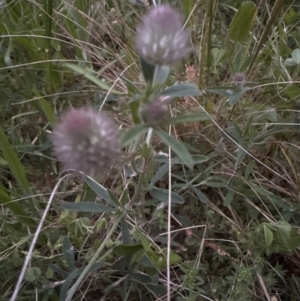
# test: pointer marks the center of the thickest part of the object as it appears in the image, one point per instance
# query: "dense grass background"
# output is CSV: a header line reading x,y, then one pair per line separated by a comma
x,y
235,216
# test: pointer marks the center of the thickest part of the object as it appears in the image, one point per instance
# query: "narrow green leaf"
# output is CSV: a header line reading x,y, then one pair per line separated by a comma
x,y
6,200
189,118
268,235
202,197
141,278
87,207
48,9
277,7
180,90
134,109
162,195
225,91
157,289
160,173
100,190
229,197
241,24
74,274
68,252
133,134
45,106
127,250
241,154
126,237
177,147
87,73
132,87
197,159
13,161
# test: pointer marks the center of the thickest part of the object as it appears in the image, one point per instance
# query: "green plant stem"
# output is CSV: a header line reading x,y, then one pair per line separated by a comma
x,y
73,289
138,189
136,194
231,112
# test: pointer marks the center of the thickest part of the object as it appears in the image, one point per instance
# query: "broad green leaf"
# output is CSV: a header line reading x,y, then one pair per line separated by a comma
x,y
144,240
148,71
141,278
68,252
234,97
133,134
88,74
241,25
271,114
268,235
33,273
127,250
162,74
218,56
180,90
160,260
177,147
87,207
292,91
13,161
174,258
294,243
100,190
296,56
189,118
162,195
290,62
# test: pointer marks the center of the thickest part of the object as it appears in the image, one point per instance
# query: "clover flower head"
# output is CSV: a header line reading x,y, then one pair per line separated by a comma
x,y
239,78
86,141
160,38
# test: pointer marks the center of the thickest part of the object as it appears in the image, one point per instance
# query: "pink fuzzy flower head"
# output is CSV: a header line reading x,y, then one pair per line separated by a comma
x,y
160,38
86,141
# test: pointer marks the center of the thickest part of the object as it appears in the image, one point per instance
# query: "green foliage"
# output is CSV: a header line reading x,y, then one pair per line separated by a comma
x,y
232,181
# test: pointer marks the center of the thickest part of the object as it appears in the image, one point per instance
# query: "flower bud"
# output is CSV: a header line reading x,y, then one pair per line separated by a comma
x,y
160,38
86,141
239,79
152,113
